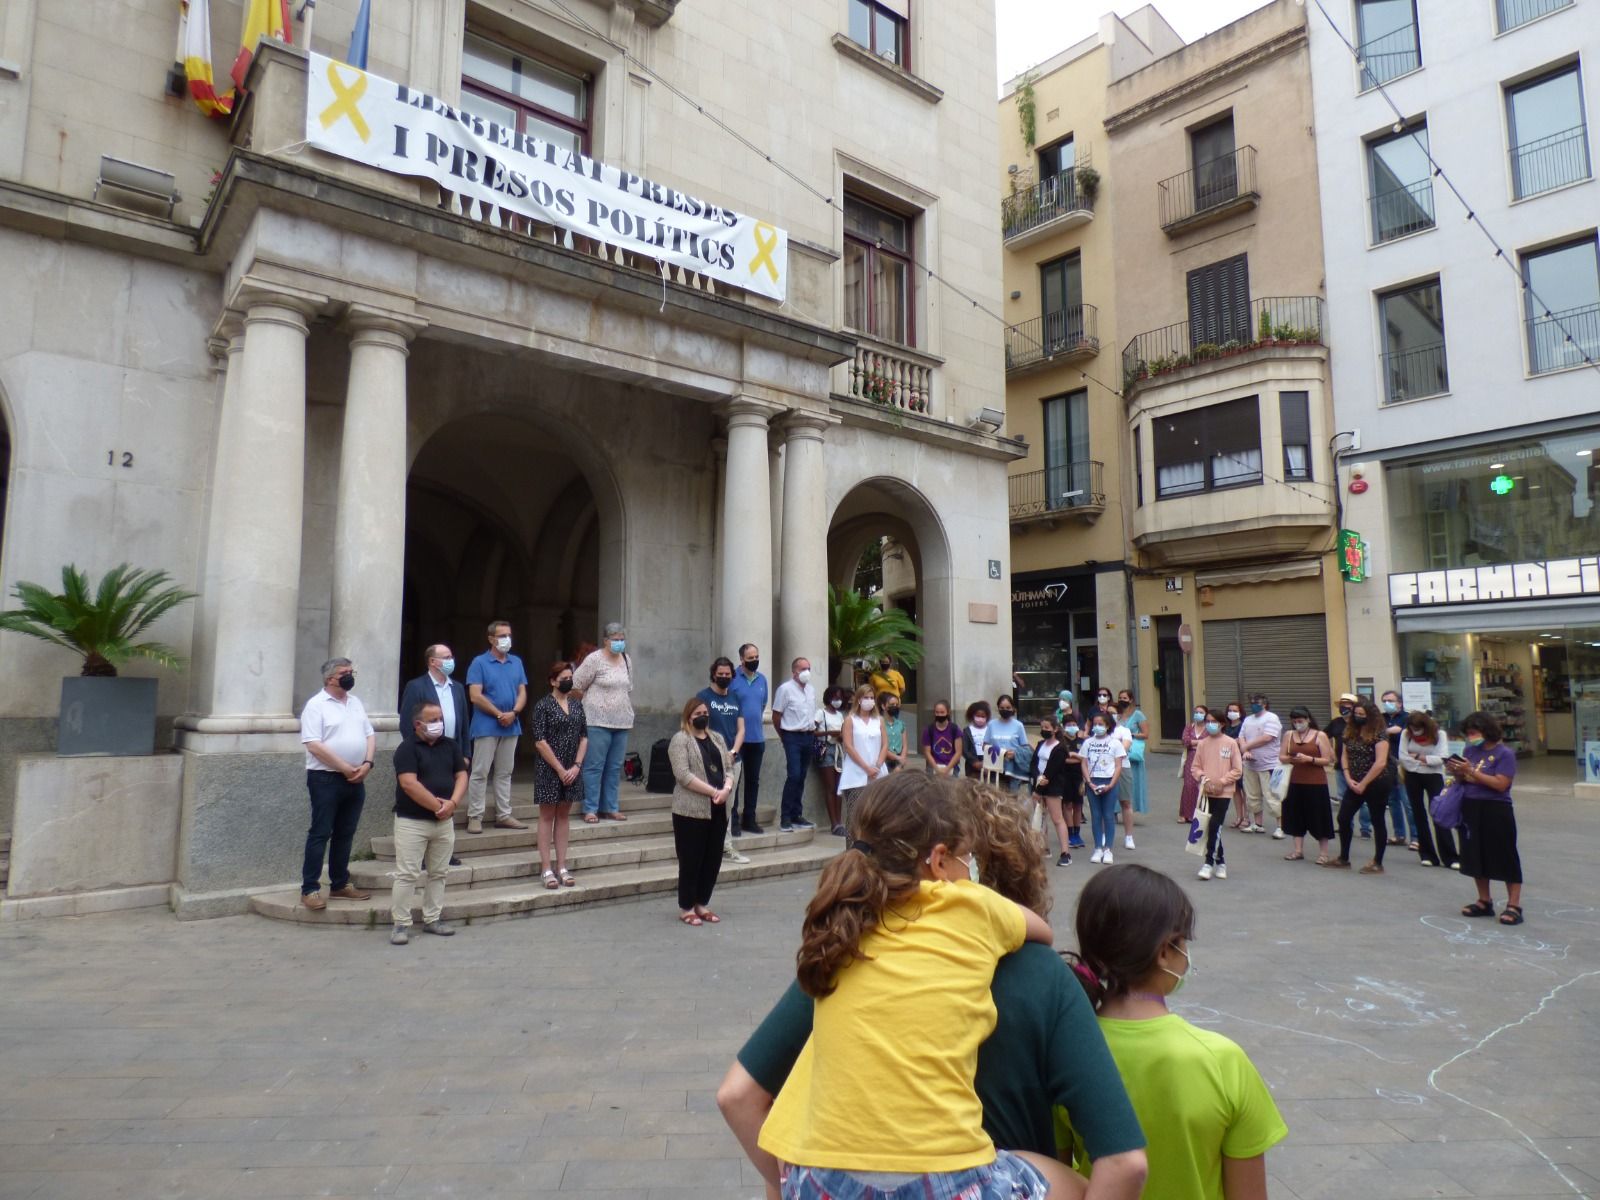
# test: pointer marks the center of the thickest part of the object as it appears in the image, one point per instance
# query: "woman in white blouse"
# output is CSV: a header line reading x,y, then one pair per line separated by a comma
x,y
1423,751
866,748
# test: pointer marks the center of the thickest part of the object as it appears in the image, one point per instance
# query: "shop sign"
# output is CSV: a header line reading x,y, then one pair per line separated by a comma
x,y
1554,579
1049,595
1352,556
387,125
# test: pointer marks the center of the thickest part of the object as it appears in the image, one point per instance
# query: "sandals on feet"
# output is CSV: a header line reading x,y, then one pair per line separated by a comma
x,y
689,918
1479,908
612,816
566,878
1512,915
1323,860
709,917
551,883
1294,857
590,819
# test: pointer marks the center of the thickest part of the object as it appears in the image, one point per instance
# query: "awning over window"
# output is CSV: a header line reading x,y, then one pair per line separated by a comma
x,y
1305,568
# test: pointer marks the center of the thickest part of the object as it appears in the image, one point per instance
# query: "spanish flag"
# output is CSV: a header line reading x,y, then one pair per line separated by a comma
x,y
262,19
197,61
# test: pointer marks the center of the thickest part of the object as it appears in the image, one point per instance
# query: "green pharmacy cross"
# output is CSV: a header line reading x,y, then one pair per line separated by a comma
x,y
1501,485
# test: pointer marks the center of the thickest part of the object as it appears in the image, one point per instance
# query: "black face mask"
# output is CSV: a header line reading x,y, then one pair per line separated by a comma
x,y
722,681
752,665
944,720
347,681
1007,713
701,721
892,709
1345,713
564,686
1358,722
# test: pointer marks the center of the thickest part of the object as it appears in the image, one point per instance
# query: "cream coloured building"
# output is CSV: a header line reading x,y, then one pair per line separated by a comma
x,y
359,415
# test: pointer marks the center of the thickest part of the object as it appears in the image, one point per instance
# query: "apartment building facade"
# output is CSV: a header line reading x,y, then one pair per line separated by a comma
x,y
1463,384
1225,373
359,412
1072,581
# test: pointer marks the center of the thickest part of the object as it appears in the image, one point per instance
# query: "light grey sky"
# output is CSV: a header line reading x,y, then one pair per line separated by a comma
x,y
1030,31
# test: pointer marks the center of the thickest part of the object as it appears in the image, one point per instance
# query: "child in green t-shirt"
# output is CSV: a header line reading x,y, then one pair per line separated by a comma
x,y
1205,1109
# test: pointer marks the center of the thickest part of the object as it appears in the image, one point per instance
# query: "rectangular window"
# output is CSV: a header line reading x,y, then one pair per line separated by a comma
x,y
523,93
1067,471
1208,449
1549,136
1058,180
1389,48
1061,286
880,26
1513,13
1563,305
1401,183
1294,413
1219,302
1138,467
1216,171
1413,341
1058,158
878,289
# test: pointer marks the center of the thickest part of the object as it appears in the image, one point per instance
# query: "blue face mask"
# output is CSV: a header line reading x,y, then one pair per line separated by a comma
x,y
1213,727
1072,731
447,666
1257,708
618,645
1099,731
1389,706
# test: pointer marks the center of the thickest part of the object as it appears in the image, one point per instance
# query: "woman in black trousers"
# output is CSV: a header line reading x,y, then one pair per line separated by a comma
x,y
1424,750
1366,777
703,769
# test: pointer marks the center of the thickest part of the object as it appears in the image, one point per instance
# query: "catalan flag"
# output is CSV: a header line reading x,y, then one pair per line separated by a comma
x,y
197,61
262,19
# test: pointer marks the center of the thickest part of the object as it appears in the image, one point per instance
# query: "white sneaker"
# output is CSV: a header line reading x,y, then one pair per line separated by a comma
x,y
1205,872
1255,829
1128,841
1097,855
1278,833
729,854
1107,858
1222,870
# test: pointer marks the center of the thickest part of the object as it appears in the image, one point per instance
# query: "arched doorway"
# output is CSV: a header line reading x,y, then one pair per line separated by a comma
x,y
896,521
5,475
500,523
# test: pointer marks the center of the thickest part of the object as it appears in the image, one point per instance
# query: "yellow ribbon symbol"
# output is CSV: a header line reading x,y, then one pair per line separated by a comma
x,y
766,242
344,103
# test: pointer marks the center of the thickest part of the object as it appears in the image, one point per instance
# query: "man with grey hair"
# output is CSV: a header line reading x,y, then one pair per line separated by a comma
x,y
497,688
339,742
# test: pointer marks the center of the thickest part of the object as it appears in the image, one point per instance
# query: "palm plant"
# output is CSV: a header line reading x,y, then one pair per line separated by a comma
x,y
101,624
861,627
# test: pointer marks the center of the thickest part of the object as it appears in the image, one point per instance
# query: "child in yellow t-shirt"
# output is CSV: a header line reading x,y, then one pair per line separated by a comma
x,y
899,948
1205,1110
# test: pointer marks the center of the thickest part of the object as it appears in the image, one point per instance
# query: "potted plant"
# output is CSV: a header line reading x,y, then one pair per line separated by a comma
x,y
101,712
860,626
1088,183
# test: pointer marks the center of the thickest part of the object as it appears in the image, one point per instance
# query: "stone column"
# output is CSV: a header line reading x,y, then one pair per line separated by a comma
x,y
369,532
745,599
257,497
775,473
802,606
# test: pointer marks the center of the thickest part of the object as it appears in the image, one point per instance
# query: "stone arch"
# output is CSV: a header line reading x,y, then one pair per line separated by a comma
x,y
7,458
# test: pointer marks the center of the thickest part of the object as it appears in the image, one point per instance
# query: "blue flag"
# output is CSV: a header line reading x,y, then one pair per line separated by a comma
x,y
357,57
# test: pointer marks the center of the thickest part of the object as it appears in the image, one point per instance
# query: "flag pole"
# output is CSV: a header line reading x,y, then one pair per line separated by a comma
x,y
308,16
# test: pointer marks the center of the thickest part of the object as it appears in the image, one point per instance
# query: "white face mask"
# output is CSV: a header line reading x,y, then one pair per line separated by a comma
x,y
502,644
868,704
804,676
434,729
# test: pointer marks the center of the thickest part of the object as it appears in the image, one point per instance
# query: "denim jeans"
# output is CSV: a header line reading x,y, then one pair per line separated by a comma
x,y
750,756
602,768
335,813
1103,810
797,760
1400,813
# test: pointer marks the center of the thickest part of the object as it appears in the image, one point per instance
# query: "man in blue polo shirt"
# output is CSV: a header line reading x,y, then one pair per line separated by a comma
x,y
497,688
749,686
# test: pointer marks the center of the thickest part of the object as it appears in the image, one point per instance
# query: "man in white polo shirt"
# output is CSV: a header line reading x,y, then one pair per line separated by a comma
x,y
339,742
794,716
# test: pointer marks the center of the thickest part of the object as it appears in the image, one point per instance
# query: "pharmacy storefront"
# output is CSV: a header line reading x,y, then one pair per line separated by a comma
x,y
1495,590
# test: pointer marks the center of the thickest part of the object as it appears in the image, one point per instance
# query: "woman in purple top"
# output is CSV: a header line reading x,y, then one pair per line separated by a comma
x,y
1489,850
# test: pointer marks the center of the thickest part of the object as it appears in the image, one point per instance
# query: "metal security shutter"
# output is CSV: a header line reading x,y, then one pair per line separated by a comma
x,y
1285,657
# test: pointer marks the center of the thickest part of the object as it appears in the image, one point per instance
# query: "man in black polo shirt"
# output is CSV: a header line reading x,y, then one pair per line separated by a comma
x,y
430,779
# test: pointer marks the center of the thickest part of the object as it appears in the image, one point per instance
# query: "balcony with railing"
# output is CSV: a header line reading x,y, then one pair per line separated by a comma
x,y
1402,211
1547,163
1056,337
1389,56
1415,373
1209,191
891,376
1271,322
1054,204
1566,339
1514,13
1075,489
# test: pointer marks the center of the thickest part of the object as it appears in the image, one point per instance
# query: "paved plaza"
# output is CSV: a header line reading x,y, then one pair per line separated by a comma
x,y
1413,1052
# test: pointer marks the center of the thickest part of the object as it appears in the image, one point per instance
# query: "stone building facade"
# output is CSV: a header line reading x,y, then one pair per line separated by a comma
x,y
358,416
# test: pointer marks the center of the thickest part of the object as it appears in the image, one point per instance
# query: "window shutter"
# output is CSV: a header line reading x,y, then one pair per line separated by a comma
x,y
1295,411
1202,302
1223,669
1233,318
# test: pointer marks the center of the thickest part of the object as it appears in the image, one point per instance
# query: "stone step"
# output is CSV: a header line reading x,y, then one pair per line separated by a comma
x,y
531,898
648,823
478,868
524,809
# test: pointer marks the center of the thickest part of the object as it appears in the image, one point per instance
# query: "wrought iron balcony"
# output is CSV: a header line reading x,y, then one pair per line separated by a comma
x,y
1412,374
1053,204
1402,210
1209,191
1550,162
1265,323
1389,56
1513,13
1055,337
1069,489
1564,339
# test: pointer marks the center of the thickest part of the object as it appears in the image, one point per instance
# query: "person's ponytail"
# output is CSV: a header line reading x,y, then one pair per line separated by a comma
x,y
851,896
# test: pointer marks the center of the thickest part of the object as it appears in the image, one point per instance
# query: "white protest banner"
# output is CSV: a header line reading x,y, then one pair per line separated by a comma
x,y
372,120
